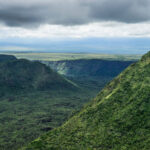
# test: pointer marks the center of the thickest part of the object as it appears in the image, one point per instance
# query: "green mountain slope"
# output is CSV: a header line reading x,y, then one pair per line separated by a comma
x,y
118,118
17,75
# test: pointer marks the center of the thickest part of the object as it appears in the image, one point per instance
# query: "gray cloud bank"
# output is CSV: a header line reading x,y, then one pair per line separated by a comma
x,y
27,13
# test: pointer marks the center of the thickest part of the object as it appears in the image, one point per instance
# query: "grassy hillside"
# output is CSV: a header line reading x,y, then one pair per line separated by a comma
x,y
23,75
118,118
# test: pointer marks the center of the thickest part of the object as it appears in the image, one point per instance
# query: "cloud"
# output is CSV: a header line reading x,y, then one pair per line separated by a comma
x,y
72,12
121,10
103,29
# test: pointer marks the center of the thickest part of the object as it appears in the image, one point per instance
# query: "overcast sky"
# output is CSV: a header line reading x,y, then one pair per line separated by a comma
x,y
74,19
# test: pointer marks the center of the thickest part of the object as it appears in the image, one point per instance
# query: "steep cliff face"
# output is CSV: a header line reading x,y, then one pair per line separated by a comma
x,y
118,118
87,68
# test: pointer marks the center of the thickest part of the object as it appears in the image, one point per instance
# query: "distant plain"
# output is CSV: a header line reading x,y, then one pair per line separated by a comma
x,y
45,56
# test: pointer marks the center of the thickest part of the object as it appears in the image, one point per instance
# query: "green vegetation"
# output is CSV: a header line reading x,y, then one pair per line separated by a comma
x,y
118,118
35,99
20,75
71,56
24,117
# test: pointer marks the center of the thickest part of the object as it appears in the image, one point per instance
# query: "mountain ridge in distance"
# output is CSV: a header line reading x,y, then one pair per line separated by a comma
x,y
118,118
4,58
24,75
